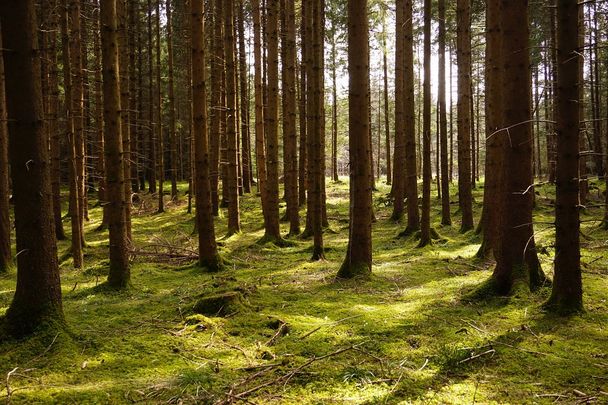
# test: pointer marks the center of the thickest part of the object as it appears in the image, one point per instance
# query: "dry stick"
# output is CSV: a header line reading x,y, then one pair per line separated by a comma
x,y
285,378
491,351
278,333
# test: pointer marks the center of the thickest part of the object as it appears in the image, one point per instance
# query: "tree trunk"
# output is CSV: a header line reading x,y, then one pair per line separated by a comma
x,y
443,123
567,294
5,220
74,210
230,182
290,137
260,144
495,139
207,247
516,261
358,261
463,11
399,166
387,129
123,45
119,276
425,220
151,169
216,126
171,94
302,158
409,114
53,114
315,130
244,101
160,155
37,299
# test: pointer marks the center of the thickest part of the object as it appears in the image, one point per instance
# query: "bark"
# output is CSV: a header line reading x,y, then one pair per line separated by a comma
x,y
387,128
160,141
463,11
230,182
37,299
53,119
290,136
443,123
567,294
315,130
425,220
216,126
207,247
101,165
302,158
171,99
358,261
411,176
74,203
244,101
495,139
119,275
151,169
5,220
398,188
125,96
334,110
260,147
517,261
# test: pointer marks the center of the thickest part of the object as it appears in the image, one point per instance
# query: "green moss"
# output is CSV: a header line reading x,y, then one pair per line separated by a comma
x,y
410,318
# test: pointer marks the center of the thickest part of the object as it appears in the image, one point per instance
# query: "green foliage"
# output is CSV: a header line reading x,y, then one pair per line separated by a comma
x,y
405,332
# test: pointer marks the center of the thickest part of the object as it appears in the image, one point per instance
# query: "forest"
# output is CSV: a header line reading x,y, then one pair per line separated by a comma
x,y
303,201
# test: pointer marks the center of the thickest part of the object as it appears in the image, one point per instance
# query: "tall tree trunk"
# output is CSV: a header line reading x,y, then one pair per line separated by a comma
x,y
160,141
463,11
78,106
37,299
244,101
387,129
358,261
230,182
443,123
171,94
551,140
151,169
409,114
567,294
315,130
119,276
583,180
302,158
101,159
425,220
260,144
290,136
53,114
334,109
207,247
5,220
495,140
134,112
74,211
217,106
399,166
517,261
125,96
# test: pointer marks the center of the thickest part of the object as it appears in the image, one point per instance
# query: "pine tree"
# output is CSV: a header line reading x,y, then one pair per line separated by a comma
x,y
358,261
37,300
119,275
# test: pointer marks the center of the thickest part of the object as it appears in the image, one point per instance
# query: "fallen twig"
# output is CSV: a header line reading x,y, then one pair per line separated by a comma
x,y
491,351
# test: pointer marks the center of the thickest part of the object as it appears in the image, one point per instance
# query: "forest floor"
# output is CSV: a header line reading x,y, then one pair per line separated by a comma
x,y
299,336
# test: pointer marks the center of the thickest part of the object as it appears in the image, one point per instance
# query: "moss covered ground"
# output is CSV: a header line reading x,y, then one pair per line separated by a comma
x,y
298,336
